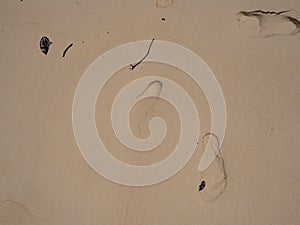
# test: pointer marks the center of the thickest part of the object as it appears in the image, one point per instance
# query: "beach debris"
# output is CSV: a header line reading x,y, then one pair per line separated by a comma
x,y
148,51
259,23
67,48
45,44
202,185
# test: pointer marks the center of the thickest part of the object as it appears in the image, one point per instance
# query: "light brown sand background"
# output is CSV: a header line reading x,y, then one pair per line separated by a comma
x,y
41,167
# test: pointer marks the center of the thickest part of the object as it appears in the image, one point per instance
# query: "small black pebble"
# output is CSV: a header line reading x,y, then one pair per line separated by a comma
x,y
163,19
107,32
202,185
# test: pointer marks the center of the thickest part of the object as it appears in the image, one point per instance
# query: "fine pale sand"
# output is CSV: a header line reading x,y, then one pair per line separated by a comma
x,y
45,180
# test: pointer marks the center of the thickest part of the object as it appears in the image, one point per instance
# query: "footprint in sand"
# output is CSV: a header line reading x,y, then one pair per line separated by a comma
x,y
152,89
214,178
163,3
14,213
260,23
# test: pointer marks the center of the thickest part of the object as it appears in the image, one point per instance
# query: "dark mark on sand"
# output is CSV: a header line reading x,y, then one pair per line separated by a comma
x,y
202,185
45,44
136,64
65,51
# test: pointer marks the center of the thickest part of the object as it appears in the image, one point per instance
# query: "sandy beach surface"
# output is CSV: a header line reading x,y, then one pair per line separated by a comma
x,y
45,180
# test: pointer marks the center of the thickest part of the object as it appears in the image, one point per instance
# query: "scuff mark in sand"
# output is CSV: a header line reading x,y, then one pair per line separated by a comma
x,y
163,3
264,24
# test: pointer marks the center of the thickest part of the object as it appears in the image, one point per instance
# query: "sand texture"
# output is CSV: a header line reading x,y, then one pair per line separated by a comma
x,y
253,53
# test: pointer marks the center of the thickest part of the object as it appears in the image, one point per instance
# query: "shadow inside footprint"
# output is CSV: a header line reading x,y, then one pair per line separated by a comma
x,y
260,23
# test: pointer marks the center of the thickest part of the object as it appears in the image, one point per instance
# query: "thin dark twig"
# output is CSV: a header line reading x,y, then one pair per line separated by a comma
x,y
136,64
65,51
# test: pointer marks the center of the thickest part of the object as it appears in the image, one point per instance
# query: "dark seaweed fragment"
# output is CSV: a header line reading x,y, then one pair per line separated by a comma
x,y
45,44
